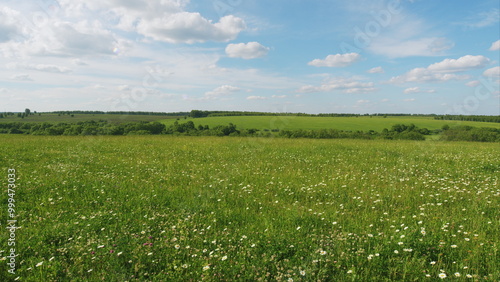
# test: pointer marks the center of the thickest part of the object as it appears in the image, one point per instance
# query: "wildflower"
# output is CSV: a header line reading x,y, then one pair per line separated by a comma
x,y
290,280
177,247
322,252
468,276
149,254
457,274
433,262
39,264
223,258
184,266
442,275
111,251
206,267
396,251
50,259
303,273
349,271
101,246
467,239
119,253
454,246
90,270
298,228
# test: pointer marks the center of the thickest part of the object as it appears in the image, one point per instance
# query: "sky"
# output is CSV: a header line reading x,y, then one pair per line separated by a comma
x,y
308,56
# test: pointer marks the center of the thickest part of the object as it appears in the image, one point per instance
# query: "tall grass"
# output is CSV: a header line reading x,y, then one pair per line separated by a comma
x,y
162,208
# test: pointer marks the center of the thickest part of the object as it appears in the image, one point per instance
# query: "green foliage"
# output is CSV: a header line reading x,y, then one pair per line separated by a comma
x,y
468,133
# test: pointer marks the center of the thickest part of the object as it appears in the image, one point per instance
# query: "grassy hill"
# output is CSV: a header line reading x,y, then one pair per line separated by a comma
x,y
363,123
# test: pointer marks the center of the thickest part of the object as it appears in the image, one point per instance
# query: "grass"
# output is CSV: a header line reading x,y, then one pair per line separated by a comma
x,y
162,208
340,123
111,118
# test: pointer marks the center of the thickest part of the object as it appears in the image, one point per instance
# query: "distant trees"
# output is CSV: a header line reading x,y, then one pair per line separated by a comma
x,y
102,127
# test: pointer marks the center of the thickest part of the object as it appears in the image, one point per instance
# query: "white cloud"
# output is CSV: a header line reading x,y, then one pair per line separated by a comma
x,y
279,96
376,70
21,77
442,71
493,72
250,50
346,85
223,90
459,65
473,83
256,98
410,100
338,60
413,90
483,19
495,46
9,26
40,67
363,101
185,27
399,48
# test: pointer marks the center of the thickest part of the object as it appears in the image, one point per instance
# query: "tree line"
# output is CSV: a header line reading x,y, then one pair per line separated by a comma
x,y
469,118
102,127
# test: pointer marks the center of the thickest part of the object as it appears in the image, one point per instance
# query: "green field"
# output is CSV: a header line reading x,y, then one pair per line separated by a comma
x,y
111,118
341,123
164,208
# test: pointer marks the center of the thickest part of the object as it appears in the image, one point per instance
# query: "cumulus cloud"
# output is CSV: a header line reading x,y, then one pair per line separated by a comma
x,y
223,90
376,70
256,98
495,46
346,85
443,71
413,90
338,60
493,72
250,50
9,26
185,27
459,65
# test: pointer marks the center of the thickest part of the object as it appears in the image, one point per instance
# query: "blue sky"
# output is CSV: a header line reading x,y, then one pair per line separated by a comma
x,y
314,56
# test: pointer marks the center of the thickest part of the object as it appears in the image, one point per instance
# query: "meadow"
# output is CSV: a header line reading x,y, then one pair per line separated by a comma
x,y
164,208
363,123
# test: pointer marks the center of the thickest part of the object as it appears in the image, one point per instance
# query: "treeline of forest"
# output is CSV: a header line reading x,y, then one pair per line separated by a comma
x,y
469,133
102,127
397,132
121,113
200,114
469,118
